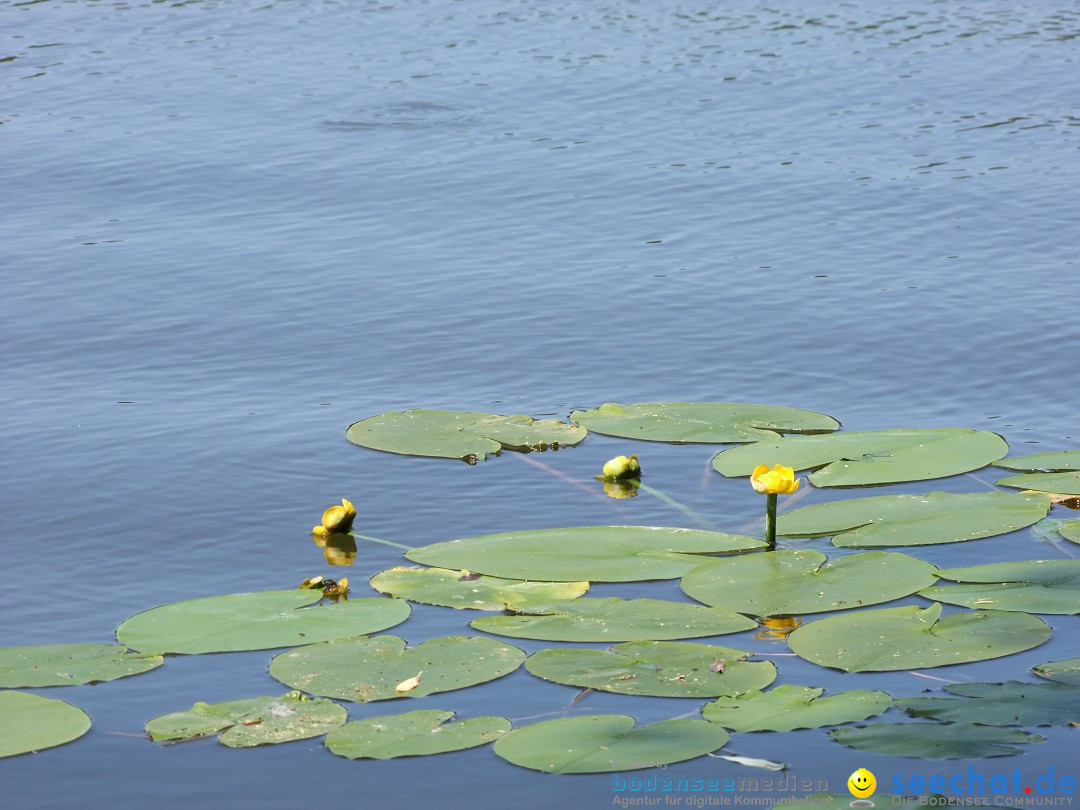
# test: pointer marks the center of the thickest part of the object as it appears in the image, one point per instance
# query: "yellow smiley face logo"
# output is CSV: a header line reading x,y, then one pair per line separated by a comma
x,y
862,783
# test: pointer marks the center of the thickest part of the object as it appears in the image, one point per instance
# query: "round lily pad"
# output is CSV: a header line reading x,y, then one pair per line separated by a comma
x,y
934,740
614,619
69,664
706,422
413,734
460,434
915,520
790,707
1001,704
1035,586
913,638
463,589
366,669
1070,530
594,553
1059,483
1059,461
783,583
607,743
1066,671
252,721
873,457
256,621
662,668
31,723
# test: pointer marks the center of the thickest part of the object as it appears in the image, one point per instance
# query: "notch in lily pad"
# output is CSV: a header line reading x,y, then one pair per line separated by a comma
x,y
465,435
71,664
414,734
1035,586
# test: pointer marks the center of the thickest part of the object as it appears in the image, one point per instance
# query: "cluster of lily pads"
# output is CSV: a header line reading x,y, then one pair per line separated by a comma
x,y
535,583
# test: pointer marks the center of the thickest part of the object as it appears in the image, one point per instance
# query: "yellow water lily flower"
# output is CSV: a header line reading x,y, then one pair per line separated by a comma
x,y
336,519
622,467
780,480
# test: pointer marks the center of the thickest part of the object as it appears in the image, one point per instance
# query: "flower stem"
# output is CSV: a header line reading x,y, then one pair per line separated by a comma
x,y
770,522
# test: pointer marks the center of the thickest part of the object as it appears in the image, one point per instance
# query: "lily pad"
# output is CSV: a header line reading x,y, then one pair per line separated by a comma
x,y
783,583
256,621
252,721
31,723
1059,461
1001,704
790,707
934,740
706,422
1067,671
1059,483
872,457
366,669
606,743
462,589
662,668
915,520
1070,530
69,664
460,434
413,734
1035,586
614,619
595,553
914,638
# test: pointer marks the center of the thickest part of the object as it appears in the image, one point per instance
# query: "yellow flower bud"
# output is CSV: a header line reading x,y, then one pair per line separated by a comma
x,y
779,480
337,518
622,467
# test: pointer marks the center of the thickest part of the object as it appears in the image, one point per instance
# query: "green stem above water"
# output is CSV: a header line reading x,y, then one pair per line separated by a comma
x,y
770,522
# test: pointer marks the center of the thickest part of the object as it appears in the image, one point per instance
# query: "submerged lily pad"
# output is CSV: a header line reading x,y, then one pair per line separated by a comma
x,y
913,638
1067,671
662,668
872,457
1001,704
594,553
460,434
1035,586
31,723
790,707
614,619
365,669
707,422
1059,461
782,583
915,520
462,589
1070,530
934,740
606,743
1059,483
256,621
69,664
252,721
413,734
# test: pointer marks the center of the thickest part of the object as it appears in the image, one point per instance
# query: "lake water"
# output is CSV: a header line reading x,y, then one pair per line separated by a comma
x,y
232,229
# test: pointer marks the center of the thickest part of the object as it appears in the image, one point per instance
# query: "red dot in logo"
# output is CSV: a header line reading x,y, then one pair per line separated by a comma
x,y
1027,790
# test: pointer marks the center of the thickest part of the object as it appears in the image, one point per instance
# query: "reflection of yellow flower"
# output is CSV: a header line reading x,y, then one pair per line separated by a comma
x,y
779,480
339,549
777,627
622,467
336,519
621,489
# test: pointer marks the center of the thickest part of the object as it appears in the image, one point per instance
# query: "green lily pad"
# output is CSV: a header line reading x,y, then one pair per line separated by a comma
x,y
69,664
461,589
256,621
1001,704
1059,461
873,457
913,638
1066,671
460,434
594,553
790,707
1035,586
614,619
915,520
934,740
31,723
252,721
661,668
606,743
707,422
784,583
413,734
1059,483
366,669
1070,530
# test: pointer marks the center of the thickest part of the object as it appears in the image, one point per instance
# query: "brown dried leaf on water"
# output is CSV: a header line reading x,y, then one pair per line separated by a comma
x,y
409,684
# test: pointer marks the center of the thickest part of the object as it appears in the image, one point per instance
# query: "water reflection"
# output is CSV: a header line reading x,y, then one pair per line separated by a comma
x,y
339,549
777,628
